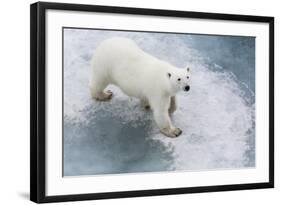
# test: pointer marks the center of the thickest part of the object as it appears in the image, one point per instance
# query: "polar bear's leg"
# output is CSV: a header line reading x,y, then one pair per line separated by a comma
x,y
173,105
97,91
145,104
162,118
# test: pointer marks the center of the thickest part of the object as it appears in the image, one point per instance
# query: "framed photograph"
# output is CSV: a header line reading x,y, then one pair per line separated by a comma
x,y
129,102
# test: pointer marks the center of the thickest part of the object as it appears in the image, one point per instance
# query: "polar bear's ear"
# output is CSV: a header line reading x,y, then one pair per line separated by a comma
x,y
187,69
169,75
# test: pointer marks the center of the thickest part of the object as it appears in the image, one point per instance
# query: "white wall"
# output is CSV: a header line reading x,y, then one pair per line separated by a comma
x,y
14,100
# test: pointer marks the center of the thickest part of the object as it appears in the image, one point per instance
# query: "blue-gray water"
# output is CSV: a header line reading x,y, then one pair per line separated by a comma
x,y
217,116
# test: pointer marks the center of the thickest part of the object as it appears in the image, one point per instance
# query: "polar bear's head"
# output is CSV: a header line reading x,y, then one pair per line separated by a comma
x,y
179,80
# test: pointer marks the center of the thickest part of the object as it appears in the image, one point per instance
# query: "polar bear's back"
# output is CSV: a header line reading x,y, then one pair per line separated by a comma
x,y
117,50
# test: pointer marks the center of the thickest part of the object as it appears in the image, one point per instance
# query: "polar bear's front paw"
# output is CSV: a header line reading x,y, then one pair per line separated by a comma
x,y
171,132
104,96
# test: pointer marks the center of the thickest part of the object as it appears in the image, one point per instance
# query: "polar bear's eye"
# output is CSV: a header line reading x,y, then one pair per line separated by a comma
x,y
179,79
187,77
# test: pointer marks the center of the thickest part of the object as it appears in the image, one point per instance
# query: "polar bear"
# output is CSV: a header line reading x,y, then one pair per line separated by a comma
x,y
119,61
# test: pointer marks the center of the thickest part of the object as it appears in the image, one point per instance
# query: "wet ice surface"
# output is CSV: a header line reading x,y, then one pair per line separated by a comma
x,y
216,116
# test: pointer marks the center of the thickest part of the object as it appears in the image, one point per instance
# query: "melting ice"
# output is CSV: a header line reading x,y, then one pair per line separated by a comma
x,y
217,116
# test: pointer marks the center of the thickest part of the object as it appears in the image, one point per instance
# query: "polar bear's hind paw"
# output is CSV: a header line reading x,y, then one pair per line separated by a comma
x,y
104,96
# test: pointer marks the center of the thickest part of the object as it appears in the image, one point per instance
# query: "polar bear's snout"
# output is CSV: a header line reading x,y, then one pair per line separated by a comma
x,y
187,88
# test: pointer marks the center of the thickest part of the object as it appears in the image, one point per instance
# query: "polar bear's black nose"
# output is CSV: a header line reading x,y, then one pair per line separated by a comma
x,y
187,88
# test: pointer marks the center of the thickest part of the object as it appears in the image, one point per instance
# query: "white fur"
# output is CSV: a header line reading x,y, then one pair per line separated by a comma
x,y
119,61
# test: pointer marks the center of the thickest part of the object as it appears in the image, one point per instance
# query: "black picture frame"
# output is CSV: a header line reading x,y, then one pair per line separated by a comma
x,y
38,101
